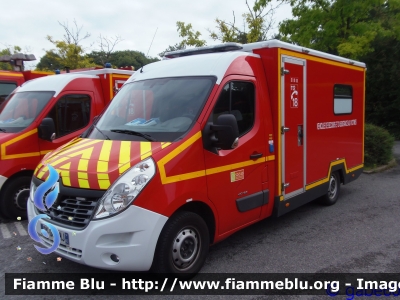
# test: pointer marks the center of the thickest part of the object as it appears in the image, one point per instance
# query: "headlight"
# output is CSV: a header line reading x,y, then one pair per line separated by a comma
x,y
125,189
32,191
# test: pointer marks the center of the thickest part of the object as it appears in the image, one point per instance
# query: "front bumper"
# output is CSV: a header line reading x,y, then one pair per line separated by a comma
x,y
2,180
131,236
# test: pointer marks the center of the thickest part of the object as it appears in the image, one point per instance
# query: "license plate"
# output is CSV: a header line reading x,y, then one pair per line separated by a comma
x,y
64,237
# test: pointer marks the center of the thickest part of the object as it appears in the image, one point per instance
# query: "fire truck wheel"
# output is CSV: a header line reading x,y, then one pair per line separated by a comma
x,y
333,190
182,246
15,197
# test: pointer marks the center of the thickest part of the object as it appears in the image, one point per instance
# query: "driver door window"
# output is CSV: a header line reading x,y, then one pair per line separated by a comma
x,y
70,113
237,98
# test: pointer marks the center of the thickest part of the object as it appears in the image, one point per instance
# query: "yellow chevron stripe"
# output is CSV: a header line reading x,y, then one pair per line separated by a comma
x,y
124,156
145,149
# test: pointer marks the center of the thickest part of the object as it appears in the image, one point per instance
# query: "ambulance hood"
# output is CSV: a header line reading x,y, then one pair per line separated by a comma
x,y
95,164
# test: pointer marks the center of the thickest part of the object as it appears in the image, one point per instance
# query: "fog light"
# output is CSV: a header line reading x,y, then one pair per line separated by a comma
x,y
114,258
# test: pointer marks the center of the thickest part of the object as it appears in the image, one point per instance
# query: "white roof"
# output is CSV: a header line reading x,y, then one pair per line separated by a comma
x,y
57,83
259,45
193,63
213,64
278,44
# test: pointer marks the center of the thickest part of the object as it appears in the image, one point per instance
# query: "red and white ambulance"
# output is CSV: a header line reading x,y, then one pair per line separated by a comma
x,y
196,147
10,80
42,115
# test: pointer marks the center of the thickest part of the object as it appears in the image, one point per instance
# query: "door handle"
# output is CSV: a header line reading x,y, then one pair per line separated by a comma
x,y
256,156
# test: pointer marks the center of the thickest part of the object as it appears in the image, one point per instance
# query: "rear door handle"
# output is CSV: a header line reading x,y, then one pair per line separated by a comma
x,y
256,155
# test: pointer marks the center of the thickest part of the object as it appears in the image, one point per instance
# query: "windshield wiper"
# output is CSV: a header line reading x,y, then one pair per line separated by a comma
x,y
143,135
3,130
107,138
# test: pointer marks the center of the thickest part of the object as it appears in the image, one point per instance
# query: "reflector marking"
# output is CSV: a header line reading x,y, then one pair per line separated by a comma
x,y
5,156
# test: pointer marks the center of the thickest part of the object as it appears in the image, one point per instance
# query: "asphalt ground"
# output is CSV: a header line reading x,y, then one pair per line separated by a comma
x,y
359,234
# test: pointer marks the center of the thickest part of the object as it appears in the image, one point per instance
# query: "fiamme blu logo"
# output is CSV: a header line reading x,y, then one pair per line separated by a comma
x,y
44,197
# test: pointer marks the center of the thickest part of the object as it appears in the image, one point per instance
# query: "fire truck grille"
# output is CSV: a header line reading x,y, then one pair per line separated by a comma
x,y
62,248
71,211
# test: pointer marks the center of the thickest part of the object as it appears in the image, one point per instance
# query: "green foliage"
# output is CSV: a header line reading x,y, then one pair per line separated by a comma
x,y
258,21
172,48
378,146
68,52
365,30
8,51
65,55
190,38
49,62
123,59
383,85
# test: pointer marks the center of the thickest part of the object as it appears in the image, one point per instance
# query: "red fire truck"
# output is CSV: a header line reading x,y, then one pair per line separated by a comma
x,y
9,80
196,147
42,115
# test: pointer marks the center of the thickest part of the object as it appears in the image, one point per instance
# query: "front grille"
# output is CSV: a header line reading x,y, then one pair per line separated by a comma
x,y
75,212
65,249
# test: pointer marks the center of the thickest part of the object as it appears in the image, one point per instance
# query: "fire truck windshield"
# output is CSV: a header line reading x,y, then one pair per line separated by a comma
x,y
154,110
20,109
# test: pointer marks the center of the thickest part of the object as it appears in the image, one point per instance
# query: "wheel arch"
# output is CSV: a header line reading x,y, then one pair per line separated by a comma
x,y
14,176
205,212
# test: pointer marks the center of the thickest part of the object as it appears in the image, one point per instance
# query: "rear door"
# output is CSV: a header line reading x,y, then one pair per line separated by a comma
x,y
293,126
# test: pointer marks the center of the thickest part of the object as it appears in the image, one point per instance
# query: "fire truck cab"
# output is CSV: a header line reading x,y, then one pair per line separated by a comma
x,y
195,147
10,80
42,115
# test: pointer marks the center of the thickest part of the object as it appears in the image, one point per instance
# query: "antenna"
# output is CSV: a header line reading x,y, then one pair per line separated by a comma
x,y
152,42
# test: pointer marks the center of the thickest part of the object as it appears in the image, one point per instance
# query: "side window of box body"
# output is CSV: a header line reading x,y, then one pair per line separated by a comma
x,y
342,99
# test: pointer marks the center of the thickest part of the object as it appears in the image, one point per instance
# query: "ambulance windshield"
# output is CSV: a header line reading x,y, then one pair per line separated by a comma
x,y
154,110
20,109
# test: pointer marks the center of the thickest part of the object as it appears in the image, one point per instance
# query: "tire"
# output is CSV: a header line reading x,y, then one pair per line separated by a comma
x,y
189,232
14,198
333,190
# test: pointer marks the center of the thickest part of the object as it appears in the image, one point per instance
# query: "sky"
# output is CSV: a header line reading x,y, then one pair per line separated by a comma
x,y
26,23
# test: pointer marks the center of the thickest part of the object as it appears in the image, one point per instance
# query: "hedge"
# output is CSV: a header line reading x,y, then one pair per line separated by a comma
x,y
378,146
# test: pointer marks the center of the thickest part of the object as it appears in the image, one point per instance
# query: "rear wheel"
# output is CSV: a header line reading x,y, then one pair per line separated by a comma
x,y
333,190
14,198
182,246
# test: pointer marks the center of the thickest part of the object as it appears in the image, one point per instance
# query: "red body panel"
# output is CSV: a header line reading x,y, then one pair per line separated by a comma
x,y
326,145
22,151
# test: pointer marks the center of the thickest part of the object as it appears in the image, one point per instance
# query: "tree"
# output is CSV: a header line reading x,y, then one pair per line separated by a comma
x,y
10,50
341,27
172,48
257,23
107,46
190,38
365,30
69,52
258,20
383,89
119,59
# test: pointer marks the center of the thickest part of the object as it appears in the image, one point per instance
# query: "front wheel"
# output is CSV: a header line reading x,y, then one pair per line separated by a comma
x,y
14,198
182,246
333,190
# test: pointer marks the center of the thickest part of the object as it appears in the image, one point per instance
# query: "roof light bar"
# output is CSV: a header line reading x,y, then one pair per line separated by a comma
x,y
203,50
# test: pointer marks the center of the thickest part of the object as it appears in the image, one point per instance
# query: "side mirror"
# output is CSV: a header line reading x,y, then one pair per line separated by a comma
x,y
47,129
226,132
